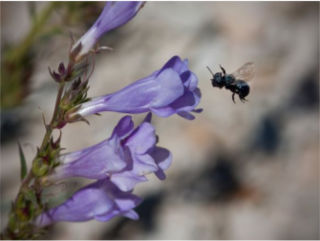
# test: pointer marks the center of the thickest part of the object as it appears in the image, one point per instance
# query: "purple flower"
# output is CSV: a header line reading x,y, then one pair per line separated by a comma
x,y
126,157
170,90
113,15
146,157
101,201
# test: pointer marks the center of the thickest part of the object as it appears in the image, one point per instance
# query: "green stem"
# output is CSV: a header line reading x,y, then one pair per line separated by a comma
x,y
31,178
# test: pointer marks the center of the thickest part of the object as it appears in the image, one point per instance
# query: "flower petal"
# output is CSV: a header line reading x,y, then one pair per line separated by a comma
x,y
163,158
124,126
170,88
176,64
126,181
142,139
186,115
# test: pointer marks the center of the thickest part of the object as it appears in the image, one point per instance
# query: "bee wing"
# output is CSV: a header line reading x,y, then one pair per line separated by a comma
x,y
245,72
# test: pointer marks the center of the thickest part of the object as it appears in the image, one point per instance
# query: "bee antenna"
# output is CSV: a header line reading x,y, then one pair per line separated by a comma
x,y
210,70
223,70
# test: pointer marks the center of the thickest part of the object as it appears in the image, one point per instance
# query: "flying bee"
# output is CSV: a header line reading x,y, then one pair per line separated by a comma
x,y
235,82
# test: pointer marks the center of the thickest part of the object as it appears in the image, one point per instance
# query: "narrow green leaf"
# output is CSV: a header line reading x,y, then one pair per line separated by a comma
x,y
23,162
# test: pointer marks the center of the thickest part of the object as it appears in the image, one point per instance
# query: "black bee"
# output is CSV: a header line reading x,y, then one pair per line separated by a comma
x,y
235,82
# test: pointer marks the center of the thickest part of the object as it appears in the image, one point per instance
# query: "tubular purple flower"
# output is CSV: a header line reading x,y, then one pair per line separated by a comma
x,y
125,157
170,90
113,15
101,201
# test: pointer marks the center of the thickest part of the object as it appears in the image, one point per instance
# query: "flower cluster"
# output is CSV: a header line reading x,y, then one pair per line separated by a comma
x,y
118,163
123,160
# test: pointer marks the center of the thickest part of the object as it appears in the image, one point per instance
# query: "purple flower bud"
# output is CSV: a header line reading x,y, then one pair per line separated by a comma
x,y
57,77
113,15
101,201
62,69
170,90
125,157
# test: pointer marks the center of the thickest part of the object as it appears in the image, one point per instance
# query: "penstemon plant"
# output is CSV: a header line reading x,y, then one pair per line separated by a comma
x,y
116,164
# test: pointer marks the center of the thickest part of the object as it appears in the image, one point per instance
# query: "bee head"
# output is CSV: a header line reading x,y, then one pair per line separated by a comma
x,y
218,80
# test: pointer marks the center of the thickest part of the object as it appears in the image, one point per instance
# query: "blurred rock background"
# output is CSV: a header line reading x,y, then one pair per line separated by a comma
x,y
240,171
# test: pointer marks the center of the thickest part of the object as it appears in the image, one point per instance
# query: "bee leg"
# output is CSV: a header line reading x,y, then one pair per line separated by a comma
x,y
233,98
243,100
